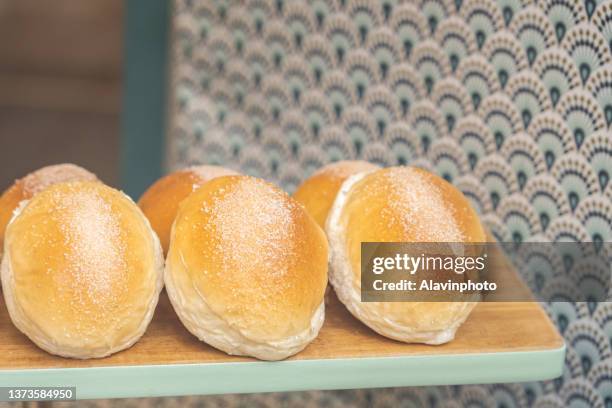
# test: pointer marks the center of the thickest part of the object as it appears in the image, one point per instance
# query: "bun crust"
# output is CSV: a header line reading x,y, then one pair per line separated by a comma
x,y
161,201
398,204
82,270
26,187
247,268
318,192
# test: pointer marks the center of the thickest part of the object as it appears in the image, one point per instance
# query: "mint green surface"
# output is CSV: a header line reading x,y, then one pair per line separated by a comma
x,y
246,377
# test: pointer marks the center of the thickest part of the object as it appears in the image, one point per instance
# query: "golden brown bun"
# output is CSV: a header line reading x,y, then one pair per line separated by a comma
x,y
247,268
26,187
318,192
161,200
82,270
398,204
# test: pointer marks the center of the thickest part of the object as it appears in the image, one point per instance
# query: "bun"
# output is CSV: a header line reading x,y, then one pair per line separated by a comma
x,y
247,268
318,192
398,204
161,200
26,187
82,270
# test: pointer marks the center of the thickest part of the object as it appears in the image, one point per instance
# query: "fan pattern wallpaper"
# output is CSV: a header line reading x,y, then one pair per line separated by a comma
x,y
510,100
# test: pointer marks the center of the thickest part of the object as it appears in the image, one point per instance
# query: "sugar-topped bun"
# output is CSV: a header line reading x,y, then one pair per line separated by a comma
x,y
247,268
161,200
398,204
318,192
82,270
26,187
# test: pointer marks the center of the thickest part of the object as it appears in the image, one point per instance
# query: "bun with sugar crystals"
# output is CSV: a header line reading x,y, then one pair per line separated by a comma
x,y
82,270
28,186
398,204
161,200
247,268
318,192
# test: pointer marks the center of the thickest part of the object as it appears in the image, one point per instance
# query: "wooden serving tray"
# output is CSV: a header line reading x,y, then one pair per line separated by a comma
x,y
500,342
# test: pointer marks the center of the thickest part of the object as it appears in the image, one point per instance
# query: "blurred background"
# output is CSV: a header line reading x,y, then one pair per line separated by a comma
x,y
60,86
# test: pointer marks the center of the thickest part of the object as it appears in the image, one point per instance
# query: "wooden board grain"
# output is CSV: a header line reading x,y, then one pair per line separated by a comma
x,y
491,328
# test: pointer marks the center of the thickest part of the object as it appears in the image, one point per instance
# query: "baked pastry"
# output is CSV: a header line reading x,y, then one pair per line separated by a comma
x,y
399,204
318,192
247,268
161,200
26,187
82,270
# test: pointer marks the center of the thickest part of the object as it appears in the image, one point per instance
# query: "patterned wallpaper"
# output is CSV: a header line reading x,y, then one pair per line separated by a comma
x,y
510,100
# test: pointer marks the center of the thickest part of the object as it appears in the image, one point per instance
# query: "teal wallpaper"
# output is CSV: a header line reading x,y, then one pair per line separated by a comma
x,y
511,100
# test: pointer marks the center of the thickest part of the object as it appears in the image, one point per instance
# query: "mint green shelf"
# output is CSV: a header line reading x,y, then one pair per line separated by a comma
x,y
294,375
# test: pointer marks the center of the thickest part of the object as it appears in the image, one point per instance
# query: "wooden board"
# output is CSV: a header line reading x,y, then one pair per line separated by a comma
x,y
491,328
500,342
